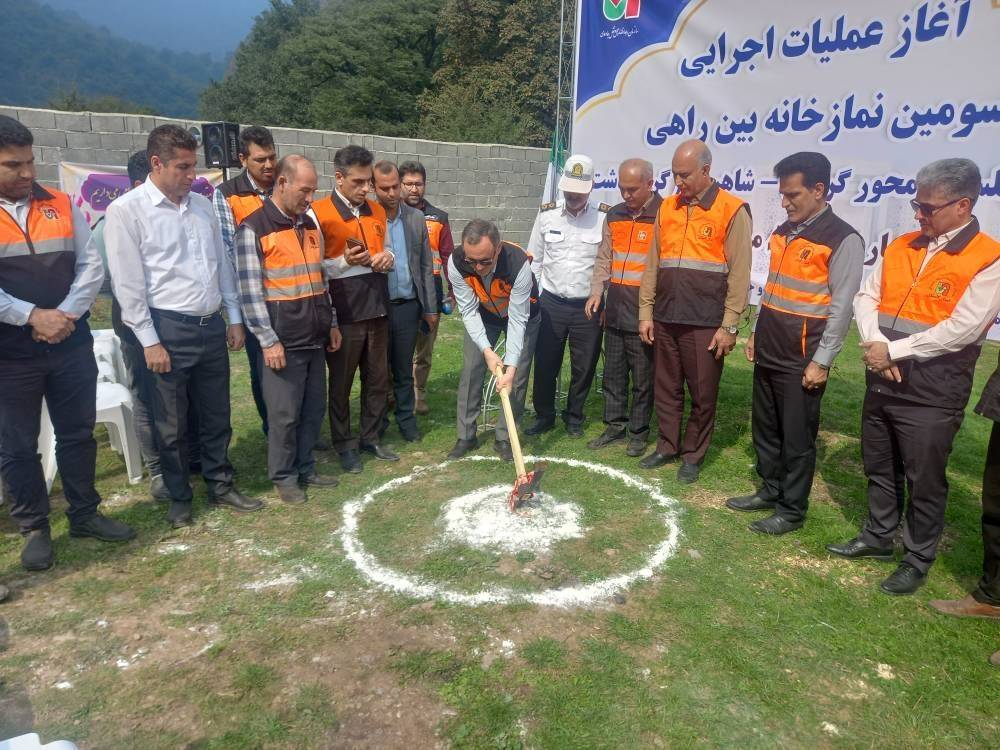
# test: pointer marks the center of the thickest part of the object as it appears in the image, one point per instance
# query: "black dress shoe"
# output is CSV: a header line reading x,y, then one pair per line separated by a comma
x,y
4,593
318,480
381,452
37,551
179,514
539,426
350,461
502,448
688,473
158,489
748,503
609,436
574,430
635,447
856,549
412,435
290,494
462,447
904,580
775,525
237,501
655,460
103,528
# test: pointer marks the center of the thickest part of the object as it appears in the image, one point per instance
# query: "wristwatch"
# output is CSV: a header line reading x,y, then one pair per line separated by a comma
x,y
731,330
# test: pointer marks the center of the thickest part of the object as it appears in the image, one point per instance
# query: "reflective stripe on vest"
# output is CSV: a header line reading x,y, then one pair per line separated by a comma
x,y
630,243
243,205
798,280
434,229
913,300
292,270
49,228
696,241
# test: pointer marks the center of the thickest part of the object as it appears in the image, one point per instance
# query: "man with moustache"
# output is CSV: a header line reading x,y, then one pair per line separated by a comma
x,y
805,313
621,260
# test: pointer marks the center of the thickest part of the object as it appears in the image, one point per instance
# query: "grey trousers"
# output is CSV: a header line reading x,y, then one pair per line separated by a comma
x,y
296,401
470,385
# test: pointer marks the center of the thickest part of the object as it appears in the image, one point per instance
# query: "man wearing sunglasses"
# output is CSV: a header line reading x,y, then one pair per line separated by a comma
x,y
496,292
923,313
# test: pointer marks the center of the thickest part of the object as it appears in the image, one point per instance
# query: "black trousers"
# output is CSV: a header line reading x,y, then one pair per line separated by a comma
x,y
625,354
785,424
905,446
988,590
141,387
404,325
296,400
199,376
365,346
563,320
67,380
255,360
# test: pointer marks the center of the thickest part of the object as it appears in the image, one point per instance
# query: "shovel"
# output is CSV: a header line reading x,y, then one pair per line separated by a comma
x,y
527,482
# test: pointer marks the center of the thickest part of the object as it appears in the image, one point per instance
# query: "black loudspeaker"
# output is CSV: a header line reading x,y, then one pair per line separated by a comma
x,y
221,143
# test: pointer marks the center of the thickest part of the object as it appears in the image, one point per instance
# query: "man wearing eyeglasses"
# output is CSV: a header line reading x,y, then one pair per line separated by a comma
x,y
923,313
496,292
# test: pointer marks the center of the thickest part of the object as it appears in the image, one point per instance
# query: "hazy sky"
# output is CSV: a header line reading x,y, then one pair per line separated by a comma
x,y
213,26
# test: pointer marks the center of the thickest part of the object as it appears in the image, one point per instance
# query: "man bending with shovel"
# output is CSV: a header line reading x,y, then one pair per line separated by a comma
x,y
496,293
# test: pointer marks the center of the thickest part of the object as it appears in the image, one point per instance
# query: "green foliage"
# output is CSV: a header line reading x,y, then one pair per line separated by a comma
x,y
466,70
57,59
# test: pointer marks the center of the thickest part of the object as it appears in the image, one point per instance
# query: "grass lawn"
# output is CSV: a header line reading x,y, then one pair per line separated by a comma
x,y
255,631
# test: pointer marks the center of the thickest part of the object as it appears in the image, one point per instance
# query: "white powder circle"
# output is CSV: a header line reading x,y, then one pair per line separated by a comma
x,y
481,519
569,596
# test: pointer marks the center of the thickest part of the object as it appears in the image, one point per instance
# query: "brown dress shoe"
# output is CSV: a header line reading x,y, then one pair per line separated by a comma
x,y
967,607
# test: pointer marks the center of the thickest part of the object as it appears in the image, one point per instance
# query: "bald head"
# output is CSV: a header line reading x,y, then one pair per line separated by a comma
x,y
691,166
635,181
295,185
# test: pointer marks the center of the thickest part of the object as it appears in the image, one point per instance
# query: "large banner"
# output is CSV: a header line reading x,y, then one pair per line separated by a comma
x,y
880,88
92,187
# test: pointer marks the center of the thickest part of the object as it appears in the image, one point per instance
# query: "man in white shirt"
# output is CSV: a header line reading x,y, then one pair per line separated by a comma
x,y
563,247
50,273
923,313
171,276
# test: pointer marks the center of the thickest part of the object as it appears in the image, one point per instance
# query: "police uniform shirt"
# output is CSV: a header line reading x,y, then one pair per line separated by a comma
x,y
563,248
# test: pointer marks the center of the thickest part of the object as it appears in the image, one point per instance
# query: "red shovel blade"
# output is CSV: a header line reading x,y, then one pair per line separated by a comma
x,y
526,486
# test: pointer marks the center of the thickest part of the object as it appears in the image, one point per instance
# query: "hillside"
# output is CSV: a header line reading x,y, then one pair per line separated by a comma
x,y
47,53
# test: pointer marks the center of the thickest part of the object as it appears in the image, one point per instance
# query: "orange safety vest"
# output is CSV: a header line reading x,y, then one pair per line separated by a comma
x,y
693,278
38,265
914,299
797,296
292,271
631,237
241,196
358,293
495,301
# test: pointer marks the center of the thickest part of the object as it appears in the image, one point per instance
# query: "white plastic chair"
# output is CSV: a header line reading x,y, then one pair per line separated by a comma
x,y
33,742
114,407
47,447
107,348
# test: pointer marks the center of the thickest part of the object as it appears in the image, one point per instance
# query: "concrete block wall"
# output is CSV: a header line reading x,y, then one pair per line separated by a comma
x,y
468,180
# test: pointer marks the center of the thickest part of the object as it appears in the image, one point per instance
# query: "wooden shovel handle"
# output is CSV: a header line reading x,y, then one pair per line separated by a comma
x,y
515,443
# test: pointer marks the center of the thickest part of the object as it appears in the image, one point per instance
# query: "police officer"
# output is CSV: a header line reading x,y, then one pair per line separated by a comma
x,y
805,313
563,248
621,260
922,314
50,274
